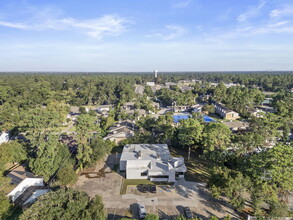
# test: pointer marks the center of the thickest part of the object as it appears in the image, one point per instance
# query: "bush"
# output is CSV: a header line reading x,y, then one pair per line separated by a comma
x,y
151,217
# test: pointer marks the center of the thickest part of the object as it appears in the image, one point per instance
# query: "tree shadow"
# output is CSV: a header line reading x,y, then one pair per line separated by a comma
x,y
163,215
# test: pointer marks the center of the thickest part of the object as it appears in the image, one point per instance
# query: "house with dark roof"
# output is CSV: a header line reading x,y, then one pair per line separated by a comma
x,y
226,113
121,131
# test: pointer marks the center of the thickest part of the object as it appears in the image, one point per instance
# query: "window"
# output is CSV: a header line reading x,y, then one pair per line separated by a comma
x,y
144,173
177,174
159,176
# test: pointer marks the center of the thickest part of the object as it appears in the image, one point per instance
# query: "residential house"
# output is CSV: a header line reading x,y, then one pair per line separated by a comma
x,y
27,187
214,84
150,83
128,106
168,84
178,108
197,81
236,125
267,102
151,161
225,112
121,131
197,108
104,108
258,113
156,105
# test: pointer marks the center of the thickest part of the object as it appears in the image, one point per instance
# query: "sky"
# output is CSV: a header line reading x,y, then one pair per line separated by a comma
x,y
143,35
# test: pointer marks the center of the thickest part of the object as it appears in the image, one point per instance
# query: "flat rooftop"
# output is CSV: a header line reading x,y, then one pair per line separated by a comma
x,y
154,157
146,152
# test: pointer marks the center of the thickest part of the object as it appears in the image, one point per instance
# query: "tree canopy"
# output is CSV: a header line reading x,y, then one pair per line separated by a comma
x,y
65,204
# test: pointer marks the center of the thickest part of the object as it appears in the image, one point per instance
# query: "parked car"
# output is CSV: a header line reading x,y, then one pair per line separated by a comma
x,y
142,188
141,211
188,213
152,188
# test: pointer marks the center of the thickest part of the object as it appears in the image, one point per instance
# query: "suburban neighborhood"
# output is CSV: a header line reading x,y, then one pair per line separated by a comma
x,y
151,155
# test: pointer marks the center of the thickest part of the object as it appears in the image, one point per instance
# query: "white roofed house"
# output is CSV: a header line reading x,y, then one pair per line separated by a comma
x,y
197,108
104,108
151,161
27,187
258,113
178,108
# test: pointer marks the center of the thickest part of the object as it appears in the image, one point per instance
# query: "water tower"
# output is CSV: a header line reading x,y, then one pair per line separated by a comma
x,y
156,73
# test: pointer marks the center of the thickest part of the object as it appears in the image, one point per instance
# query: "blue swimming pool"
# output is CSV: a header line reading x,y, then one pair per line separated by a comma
x,y
208,119
178,118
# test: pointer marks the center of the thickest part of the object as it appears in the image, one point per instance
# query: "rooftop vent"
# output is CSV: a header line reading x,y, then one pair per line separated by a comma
x,y
139,154
158,155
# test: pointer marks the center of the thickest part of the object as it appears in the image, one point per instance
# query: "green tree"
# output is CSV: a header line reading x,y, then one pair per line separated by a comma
x,y
67,176
274,166
100,148
190,133
11,152
85,125
148,91
64,204
231,183
95,210
50,155
216,136
5,206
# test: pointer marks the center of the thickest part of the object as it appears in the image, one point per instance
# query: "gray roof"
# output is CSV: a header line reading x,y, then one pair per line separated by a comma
x,y
157,154
236,124
148,152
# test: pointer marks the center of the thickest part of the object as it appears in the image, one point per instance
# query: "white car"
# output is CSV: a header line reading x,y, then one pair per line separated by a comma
x,y
141,211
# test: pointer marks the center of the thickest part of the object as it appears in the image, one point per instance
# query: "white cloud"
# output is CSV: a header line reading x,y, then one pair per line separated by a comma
x,y
252,12
286,10
107,25
280,27
172,32
182,4
13,25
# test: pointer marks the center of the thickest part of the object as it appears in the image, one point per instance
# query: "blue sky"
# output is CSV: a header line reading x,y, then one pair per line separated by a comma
x,y
142,35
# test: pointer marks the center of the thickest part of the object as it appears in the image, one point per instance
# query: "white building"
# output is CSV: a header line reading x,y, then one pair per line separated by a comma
x,y
197,108
26,187
150,83
151,161
104,108
4,137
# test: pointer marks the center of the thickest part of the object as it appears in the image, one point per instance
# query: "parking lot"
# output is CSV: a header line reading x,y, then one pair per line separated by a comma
x,y
167,202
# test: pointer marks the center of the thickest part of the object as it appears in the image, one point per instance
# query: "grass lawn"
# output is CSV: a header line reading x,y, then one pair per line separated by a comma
x,y
135,182
131,182
197,168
